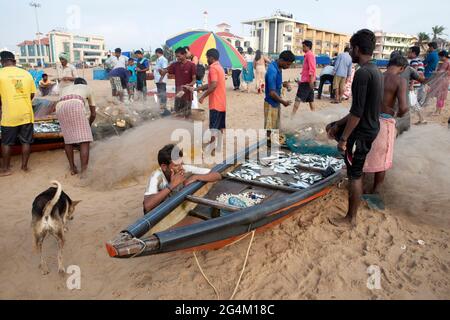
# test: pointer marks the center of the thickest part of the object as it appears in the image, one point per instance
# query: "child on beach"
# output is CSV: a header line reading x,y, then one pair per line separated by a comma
x,y
133,78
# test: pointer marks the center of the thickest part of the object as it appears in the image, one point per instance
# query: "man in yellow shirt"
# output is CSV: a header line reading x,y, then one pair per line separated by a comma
x,y
17,90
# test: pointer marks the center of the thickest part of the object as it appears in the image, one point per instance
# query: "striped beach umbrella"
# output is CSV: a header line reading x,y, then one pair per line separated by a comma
x,y
200,42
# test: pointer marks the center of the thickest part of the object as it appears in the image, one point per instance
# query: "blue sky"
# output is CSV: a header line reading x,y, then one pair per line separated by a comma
x,y
144,24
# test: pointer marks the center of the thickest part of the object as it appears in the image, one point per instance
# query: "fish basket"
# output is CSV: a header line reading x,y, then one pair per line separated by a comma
x,y
198,115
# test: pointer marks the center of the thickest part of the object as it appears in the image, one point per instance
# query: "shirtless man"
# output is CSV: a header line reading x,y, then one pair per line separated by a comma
x,y
380,158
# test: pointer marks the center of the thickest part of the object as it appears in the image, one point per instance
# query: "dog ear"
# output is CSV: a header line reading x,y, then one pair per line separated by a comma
x,y
75,203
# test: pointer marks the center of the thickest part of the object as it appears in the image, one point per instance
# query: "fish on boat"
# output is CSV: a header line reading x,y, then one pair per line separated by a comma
x,y
211,216
47,136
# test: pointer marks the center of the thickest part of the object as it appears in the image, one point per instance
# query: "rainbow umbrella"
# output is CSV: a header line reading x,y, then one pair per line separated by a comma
x,y
200,42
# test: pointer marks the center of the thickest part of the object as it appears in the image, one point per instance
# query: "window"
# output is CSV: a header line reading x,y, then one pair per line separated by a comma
x,y
238,44
66,47
23,51
247,44
31,51
81,39
288,38
288,28
318,43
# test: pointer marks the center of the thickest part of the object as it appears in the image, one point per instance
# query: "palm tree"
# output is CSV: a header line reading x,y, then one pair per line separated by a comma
x,y
438,31
423,40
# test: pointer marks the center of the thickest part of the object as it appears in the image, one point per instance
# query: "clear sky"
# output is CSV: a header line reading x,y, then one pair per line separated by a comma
x,y
144,24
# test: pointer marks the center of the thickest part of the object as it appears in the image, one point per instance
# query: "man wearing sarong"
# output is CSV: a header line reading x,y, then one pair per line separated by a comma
x,y
380,157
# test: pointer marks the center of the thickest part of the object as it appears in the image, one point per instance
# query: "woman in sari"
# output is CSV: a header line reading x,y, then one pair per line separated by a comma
x,y
444,69
75,126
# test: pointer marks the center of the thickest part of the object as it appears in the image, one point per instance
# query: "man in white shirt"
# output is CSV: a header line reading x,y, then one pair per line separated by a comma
x,y
327,75
171,177
66,72
118,60
161,82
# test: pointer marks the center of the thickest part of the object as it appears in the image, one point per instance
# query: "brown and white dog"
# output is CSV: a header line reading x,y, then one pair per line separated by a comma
x,y
51,211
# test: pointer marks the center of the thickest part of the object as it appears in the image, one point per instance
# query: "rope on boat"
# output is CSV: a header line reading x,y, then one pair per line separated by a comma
x,y
243,267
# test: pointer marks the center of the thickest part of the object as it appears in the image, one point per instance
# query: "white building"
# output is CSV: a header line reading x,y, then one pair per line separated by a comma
x,y
224,30
281,32
89,49
30,52
389,42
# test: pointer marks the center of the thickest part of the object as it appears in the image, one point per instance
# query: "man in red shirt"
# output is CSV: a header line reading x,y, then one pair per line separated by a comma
x,y
216,91
185,73
308,79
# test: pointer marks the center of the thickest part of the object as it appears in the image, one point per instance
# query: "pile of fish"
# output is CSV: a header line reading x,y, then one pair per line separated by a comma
x,y
243,200
246,174
47,127
290,166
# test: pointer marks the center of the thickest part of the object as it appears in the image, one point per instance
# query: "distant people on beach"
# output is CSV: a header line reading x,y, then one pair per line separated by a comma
x,y
307,83
444,68
161,82
273,98
17,90
172,176
46,85
248,73
119,75
260,64
66,72
326,75
75,126
142,67
132,81
185,73
343,71
357,131
237,72
415,75
431,60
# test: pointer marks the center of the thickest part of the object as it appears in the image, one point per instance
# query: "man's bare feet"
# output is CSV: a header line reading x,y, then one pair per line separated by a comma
x,y
74,171
346,222
5,173
26,169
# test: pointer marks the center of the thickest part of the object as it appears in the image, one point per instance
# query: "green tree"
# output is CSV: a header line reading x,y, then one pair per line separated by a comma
x,y
423,40
437,32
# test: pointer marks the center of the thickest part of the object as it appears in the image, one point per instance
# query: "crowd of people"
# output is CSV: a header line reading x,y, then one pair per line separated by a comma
x,y
379,111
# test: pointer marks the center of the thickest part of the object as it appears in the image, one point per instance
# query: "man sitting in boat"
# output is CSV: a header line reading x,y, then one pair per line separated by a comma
x,y
172,176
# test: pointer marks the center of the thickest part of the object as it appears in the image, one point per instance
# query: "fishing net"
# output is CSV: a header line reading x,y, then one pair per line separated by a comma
x,y
311,139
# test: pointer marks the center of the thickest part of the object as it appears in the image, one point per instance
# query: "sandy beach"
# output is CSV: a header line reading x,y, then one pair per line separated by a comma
x,y
305,257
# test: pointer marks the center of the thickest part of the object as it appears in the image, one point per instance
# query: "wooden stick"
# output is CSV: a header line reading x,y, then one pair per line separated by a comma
x,y
213,204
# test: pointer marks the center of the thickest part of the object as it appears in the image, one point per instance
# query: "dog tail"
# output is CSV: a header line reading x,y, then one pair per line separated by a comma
x,y
48,209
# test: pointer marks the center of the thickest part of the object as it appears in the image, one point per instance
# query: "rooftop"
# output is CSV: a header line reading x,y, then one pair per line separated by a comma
x,y
44,41
228,35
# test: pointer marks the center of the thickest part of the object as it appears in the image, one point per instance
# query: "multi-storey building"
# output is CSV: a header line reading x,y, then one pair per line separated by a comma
x,y
282,32
389,42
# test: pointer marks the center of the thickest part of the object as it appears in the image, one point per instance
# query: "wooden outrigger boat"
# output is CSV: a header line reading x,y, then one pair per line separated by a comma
x,y
195,220
42,141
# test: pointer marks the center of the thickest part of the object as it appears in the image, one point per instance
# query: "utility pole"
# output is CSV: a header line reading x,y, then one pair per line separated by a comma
x,y
37,5
205,15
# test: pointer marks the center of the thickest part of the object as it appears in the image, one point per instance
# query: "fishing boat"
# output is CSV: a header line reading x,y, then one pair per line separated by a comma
x,y
47,136
253,196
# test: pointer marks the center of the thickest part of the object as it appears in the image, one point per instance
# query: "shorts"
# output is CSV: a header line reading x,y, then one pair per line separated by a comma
x,y
217,120
183,107
132,86
23,133
305,93
272,117
355,157
116,85
339,83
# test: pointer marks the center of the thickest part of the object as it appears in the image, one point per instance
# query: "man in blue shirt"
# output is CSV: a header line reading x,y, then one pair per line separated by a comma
x,y
273,99
143,66
343,71
432,60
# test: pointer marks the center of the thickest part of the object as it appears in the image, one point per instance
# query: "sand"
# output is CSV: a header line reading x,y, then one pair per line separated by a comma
x,y
303,258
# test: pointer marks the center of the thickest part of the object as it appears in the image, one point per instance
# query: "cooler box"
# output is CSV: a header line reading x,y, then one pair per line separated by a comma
x,y
100,74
